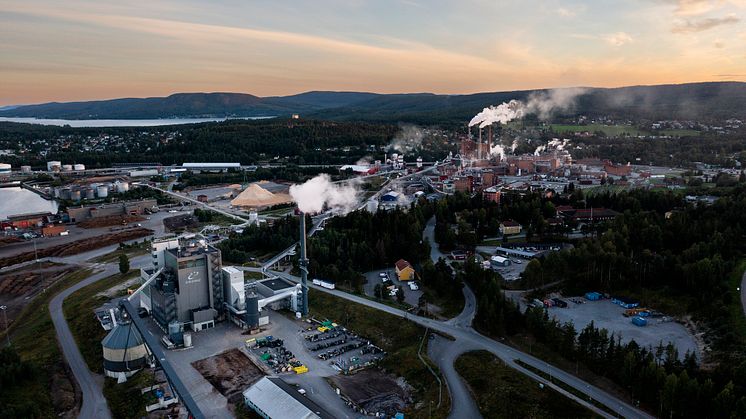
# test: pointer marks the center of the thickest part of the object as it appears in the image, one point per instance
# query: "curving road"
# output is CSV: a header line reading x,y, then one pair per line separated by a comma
x,y
469,338
91,385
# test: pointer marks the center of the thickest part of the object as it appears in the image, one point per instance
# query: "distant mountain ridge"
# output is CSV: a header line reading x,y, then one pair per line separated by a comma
x,y
692,100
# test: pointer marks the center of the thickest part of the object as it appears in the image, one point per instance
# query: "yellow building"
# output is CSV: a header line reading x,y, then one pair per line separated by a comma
x,y
509,227
404,270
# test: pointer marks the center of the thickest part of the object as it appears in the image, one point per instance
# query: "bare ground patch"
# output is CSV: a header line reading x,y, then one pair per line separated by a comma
x,y
230,372
373,391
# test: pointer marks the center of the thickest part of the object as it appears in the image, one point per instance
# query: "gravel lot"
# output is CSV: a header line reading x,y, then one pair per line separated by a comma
x,y
607,315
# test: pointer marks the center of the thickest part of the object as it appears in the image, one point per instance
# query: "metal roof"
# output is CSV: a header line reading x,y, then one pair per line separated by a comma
x,y
277,399
209,165
122,337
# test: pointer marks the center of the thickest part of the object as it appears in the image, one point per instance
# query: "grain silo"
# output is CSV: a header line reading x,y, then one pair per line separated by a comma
x,y
125,352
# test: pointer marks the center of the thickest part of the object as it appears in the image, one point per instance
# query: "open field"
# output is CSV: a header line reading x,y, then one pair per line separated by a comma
x,y
502,392
50,391
609,130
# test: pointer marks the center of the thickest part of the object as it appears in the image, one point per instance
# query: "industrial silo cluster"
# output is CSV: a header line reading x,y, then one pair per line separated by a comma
x,y
90,192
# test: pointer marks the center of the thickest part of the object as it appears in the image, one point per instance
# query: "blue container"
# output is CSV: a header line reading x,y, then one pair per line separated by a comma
x,y
592,296
639,321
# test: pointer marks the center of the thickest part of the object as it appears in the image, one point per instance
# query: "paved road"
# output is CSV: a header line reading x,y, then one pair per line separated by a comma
x,y
467,337
94,403
444,352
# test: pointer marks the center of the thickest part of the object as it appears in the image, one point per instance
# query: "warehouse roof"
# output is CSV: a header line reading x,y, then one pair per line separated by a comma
x,y
123,336
210,165
277,399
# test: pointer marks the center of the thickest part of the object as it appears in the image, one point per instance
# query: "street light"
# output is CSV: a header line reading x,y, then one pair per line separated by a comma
x,y
5,316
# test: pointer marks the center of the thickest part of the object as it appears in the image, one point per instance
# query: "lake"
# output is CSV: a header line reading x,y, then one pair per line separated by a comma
x,y
16,200
101,123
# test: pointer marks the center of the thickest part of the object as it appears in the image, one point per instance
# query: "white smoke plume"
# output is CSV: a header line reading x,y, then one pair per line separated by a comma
x,y
558,144
542,103
319,192
513,146
503,113
498,150
407,139
547,102
540,149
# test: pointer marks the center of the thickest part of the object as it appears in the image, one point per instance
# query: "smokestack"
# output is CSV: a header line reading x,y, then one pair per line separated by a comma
x,y
303,265
479,146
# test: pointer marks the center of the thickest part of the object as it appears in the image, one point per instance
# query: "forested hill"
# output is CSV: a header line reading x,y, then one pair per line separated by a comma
x,y
702,101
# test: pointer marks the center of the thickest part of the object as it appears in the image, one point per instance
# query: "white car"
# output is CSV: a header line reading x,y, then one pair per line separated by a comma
x,y
172,211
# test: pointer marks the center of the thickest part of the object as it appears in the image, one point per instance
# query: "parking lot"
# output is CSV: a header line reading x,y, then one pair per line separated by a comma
x,y
411,297
608,315
512,272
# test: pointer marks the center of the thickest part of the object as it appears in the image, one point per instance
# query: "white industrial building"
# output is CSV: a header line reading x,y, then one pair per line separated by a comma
x,y
273,398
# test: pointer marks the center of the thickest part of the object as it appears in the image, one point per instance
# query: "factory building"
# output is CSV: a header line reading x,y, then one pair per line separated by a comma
x,y
189,288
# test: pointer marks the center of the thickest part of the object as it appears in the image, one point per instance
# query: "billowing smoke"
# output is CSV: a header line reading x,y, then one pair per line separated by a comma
x,y
407,139
503,113
513,146
558,144
542,103
364,161
545,103
554,144
498,150
319,192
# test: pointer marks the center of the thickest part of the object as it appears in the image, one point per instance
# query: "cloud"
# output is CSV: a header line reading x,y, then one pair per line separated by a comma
x,y
719,43
700,25
617,39
693,7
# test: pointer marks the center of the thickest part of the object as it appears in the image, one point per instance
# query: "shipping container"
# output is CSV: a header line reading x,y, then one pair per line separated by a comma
x,y
639,321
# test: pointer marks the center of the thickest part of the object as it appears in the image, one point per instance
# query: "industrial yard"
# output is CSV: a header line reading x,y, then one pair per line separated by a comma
x,y
605,314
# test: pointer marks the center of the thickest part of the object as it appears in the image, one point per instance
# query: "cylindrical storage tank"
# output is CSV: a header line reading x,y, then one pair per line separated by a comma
x,y
75,195
65,193
54,166
253,217
124,351
57,192
175,333
102,191
79,166
90,193
25,169
5,168
67,167
187,340
122,186
252,310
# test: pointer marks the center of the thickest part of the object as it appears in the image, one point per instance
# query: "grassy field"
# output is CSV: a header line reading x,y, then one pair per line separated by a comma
x,y
48,390
609,130
602,189
136,250
502,392
399,338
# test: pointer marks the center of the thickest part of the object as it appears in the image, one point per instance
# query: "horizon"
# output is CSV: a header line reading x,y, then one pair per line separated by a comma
x,y
82,51
15,105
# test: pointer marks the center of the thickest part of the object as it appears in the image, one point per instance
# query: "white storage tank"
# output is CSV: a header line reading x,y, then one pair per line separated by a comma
x,y
67,167
187,340
4,168
54,166
102,191
90,193
79,166
25,169
75,195
371,206
122,186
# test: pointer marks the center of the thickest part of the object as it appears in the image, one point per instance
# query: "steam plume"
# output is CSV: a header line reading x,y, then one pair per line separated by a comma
x,y
407,139
318,192
542,104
